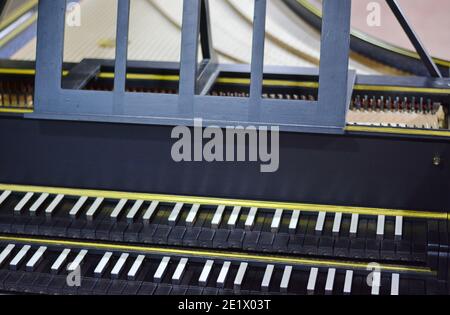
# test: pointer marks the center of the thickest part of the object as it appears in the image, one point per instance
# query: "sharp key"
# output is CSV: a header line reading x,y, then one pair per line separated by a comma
x,y
14,264
354,224
76,208
90,214
23,201
173,217
204,276
162,268
380,225
150,211
240,276
118,267
395,284
5,253
52,206
103,264
376,282
217,218
234,216
398,226
320,221
222,278
34,208
77,261
134,270
250,221
192,215
267,278
348,282
312,280
118,209
134,210
284,285
56,267
36,259
294,221
337,222
4,195
179,271
276,220
330,280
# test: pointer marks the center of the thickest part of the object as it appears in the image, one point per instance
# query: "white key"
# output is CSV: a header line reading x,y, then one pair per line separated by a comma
x,y
348,281
276,220
90,214
5,253
23,202
4,195
354,223
294,220
217,218
179,271
39,202
240,275
234,216
134,210
284,285
190,219
77,261
118,209
56,267
380,225
376,282
115,273
250,221
267,277
312,279
76,208
134,270
150,211
398,226
395,283
103,264
320,221
175,213
52,206
337,222
14,264
162,268
330,280
204,276
223,274
36,258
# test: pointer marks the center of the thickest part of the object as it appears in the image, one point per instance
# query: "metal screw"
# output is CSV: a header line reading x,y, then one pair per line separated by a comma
x,y
437,160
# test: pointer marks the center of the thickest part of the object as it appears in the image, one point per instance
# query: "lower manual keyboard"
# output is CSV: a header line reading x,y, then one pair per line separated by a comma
x,y
46,266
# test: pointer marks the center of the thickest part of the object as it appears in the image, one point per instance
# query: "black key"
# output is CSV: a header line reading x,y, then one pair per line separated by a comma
x,y
117,231
161,234
74,230
236,238
132,233
326,244
341,247
147,288
206,238
102,286
221,238
372,249
295,244
132,288
117,287
280,243
388,249
147,232
176,235
265,242
87,286
191,236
